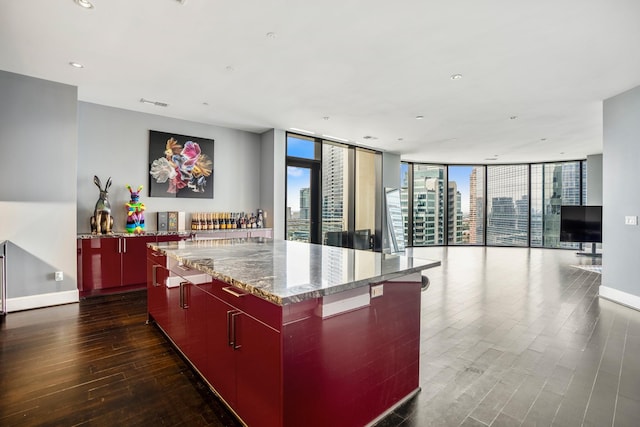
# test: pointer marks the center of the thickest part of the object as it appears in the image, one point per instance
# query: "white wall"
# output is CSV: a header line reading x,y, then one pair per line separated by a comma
x,y
272,181
115,143
621,158
38,137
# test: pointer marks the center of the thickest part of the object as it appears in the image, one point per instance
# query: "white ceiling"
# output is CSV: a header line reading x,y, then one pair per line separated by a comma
x,y
349,68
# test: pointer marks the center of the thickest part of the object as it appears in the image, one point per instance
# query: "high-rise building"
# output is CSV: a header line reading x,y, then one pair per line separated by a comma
x,y
428,205
305,203
454,209
333,188
476,206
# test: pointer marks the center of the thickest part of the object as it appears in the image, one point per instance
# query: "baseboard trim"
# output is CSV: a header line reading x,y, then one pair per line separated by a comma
x,y
42,300
624,298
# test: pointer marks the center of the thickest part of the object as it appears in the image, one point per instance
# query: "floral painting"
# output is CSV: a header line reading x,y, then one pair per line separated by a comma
x,y
180,166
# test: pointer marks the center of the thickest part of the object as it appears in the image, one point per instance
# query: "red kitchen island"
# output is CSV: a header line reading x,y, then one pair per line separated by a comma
x,y
292,334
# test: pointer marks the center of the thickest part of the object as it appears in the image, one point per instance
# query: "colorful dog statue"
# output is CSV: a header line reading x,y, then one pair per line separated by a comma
x,y
135,215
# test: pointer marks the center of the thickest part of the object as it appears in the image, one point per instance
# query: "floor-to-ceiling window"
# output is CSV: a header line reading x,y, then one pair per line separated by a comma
x,y
508,205
465,209
367,197
429,204
336,176
333,193
495,205
552,185
405,199
303,187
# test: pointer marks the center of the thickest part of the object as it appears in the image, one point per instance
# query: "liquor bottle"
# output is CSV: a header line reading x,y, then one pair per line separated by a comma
x,y
216,224
194,222
209,221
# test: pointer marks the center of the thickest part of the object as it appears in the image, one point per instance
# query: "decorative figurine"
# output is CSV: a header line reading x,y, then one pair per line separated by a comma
x,y
135,215
102,221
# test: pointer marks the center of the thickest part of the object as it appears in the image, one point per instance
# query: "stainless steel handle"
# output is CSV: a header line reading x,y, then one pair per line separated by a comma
x,y
154,275
234,329
183,298
232,292
155,254
125,245
119,245
230,329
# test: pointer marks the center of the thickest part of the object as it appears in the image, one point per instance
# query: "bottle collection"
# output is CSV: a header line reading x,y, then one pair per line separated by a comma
x,y
224,220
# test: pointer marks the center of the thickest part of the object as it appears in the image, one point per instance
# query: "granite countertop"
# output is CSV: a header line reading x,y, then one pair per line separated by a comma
x,y
286,272
125,234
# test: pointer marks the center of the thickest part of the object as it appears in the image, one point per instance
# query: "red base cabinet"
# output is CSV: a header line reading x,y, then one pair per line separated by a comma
x,y
285,365
114,263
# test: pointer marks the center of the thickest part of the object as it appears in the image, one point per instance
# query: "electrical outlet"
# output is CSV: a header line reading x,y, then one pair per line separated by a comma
x,y
377,291
59,276
631,220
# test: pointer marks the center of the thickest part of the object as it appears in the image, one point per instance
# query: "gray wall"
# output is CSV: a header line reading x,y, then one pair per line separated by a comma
x,y
115,143
621,159
38,136
594,179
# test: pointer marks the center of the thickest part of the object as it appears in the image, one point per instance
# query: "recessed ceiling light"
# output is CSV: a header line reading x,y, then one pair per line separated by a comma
x,y
419,117
271,35
205,103
230,69
400,139
76,64
513,117
369,137
491,158
456,76
84,3
326,118
543,139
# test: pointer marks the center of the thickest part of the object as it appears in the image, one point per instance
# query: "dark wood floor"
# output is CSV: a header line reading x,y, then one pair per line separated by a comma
x,y
97,363
509,337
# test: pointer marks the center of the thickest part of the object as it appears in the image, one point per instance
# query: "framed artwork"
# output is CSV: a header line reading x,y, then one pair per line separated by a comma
x,y
180,166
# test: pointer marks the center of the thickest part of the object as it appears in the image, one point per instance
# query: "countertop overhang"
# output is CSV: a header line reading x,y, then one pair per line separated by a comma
x,y
286,272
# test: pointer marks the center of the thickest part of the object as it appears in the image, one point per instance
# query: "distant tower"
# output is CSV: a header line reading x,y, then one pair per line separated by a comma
x,y
305,203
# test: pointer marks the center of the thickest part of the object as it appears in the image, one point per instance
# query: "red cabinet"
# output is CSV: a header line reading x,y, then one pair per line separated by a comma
x,y
114,263
288,365
157,297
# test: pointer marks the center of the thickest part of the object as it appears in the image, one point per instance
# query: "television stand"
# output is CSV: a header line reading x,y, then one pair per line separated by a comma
x,y
592,254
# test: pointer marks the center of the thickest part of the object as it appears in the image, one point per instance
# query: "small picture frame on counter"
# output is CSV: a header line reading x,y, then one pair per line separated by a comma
x,y
162,221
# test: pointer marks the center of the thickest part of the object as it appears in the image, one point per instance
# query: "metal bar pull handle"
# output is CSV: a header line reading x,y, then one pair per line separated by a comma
x,y
183,299
234,328
230,329
124,245
230,290
154,275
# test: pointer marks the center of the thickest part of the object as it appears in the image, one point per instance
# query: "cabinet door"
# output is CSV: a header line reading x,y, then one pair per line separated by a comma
x,y
220,368
258,373
157,302
101,265
197,324
134,251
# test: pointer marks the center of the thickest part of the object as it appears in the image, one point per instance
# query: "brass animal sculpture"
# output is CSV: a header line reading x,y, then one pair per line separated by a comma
x,y
102,221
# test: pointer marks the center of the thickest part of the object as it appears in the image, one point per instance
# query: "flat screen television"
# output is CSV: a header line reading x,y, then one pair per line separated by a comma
x,y
581,224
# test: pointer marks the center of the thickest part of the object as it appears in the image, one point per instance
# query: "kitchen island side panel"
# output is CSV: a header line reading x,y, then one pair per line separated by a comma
x,y
348,369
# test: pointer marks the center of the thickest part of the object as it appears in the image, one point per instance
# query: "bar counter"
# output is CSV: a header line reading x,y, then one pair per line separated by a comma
x,y
286,272
291,334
